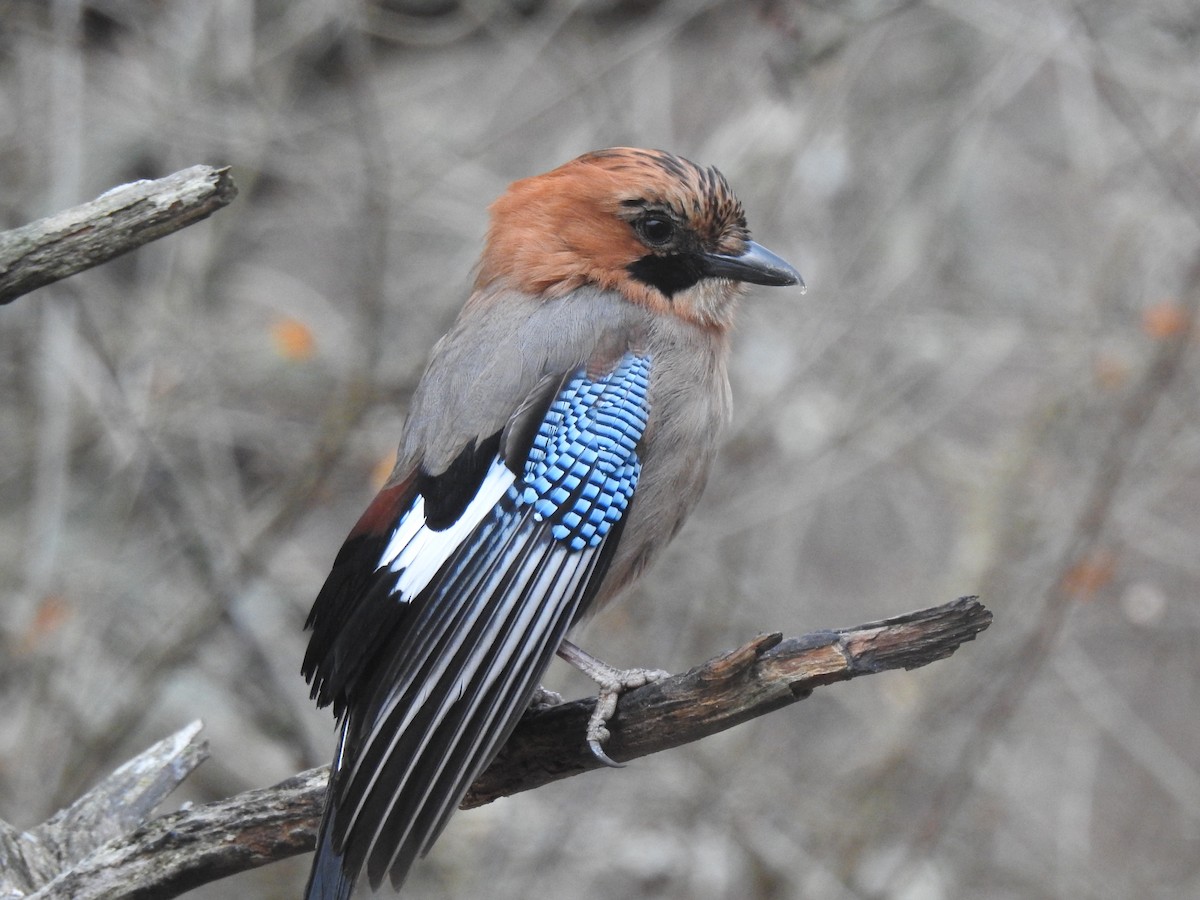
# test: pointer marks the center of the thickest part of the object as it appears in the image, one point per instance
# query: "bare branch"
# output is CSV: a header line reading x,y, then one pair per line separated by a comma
x,y
111,809
182,850
116,222
768,673
178,852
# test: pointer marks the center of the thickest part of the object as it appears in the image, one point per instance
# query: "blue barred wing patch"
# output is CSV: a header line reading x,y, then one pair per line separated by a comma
x,y
583,466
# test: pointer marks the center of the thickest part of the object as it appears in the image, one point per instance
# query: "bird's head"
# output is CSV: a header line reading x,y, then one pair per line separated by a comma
x,y
662,231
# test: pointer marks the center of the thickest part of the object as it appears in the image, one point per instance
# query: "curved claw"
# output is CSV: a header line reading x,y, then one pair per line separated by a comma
x,y
598,752
544,699
613,682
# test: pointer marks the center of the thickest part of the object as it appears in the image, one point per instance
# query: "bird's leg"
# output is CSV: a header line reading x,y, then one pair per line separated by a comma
x,y
613,683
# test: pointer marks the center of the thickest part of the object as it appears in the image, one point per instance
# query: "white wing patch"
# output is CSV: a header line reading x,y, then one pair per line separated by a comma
x,y
416,553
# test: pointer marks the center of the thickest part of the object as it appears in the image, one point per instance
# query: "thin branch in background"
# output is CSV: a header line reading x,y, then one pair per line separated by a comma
x,y
122,220
369,279
1083,543
1118,452
1034,228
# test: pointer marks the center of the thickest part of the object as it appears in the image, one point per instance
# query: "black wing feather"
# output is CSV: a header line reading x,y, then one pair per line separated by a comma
x,y
449,600
478,642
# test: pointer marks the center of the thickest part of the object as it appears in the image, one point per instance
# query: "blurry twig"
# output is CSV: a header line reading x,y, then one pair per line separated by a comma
x,y
1037,648
1178,174
1116,455
368,280
116,222
221,567
176,852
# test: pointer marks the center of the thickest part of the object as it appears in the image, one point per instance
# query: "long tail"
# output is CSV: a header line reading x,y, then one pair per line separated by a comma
x,y
328,879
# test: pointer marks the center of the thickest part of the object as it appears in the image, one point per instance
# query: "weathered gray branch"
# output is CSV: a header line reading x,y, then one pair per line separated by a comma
x,y
176,852
109,812
116,222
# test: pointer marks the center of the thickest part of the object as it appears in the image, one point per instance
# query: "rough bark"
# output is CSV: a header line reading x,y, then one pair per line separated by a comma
x,y
106,844
116,222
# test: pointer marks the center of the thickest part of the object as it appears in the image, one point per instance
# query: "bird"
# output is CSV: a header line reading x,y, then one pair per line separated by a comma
x,y
560,435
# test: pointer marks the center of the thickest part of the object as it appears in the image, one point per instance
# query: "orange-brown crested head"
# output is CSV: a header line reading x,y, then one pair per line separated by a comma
x,y
662,231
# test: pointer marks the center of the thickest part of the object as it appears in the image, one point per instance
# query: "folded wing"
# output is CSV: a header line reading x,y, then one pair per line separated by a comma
x,y
433,630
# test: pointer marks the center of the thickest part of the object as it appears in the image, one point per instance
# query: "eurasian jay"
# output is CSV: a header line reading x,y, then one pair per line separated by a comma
x,y
560,435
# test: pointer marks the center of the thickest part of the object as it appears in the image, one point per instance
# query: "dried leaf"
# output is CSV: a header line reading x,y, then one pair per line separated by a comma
x,y
1090,575
1165,320
293,339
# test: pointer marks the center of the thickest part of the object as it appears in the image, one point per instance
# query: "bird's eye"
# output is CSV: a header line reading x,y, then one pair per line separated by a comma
x,y
656,230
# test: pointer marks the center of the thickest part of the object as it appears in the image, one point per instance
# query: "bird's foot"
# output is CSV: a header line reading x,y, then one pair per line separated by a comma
x,y
613,683
544,699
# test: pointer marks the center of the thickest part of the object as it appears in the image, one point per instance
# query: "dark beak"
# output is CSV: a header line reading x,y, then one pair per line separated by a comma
x,y
756,264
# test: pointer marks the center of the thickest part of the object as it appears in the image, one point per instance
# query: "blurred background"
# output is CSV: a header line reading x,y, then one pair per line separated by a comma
x,y
989,388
